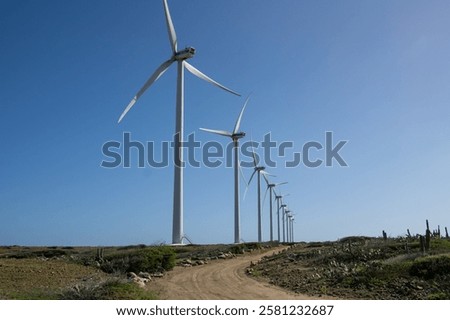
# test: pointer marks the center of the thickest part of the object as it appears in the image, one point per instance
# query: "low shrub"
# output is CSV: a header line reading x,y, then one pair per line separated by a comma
x,y
154,259
114,289
431,267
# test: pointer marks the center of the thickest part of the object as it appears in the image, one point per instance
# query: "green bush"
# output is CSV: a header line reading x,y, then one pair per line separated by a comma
x,y
154,259
242,247
430,267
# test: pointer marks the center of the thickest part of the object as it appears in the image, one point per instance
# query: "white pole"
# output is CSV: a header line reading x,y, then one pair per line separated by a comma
x,y
259,208
237,234
177,230
271,219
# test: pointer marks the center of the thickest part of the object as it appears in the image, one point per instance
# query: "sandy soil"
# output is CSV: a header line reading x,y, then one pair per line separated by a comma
x,y
220,280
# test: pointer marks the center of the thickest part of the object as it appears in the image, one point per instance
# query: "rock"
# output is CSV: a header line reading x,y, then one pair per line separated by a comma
x,y
145,275
139,281
158,275
222,256
133,277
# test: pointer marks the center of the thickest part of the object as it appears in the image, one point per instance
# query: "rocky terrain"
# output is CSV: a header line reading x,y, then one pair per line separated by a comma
x,y
101,272
361,268
352,268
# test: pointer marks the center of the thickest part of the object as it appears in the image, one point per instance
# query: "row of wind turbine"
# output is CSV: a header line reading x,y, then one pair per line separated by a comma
x,y
179,56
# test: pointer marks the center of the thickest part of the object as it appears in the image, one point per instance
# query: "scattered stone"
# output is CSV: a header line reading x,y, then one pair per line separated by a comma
x,y
145,275
157,275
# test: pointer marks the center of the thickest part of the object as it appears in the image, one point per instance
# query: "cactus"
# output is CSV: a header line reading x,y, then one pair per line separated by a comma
x,y
99,255
427,237
446,233
427,240
422,243
384,235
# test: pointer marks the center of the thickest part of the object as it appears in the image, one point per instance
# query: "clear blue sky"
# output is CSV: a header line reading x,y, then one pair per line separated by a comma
x,y
376,73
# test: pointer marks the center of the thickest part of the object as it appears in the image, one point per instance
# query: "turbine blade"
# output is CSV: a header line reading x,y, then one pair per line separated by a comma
x,y
280,184
158,73
285,195
238,122
242,175
251,177
274,192
265,194
221,132
249,181
267,180
170,28
265,173
254,158
201,75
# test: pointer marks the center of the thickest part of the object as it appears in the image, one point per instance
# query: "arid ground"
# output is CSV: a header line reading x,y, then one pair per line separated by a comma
x,y
352,268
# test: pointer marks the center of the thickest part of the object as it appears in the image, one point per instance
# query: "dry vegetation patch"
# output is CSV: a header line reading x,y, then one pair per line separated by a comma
x,y
362,268
38,278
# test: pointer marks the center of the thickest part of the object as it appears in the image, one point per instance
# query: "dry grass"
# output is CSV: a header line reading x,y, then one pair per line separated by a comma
x,y
37,278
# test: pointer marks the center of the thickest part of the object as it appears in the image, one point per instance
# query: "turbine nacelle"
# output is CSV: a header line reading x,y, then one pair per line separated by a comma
x,y
238,135
184,54
260,168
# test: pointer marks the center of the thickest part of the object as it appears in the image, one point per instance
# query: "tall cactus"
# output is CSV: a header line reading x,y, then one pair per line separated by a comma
x,y
427,237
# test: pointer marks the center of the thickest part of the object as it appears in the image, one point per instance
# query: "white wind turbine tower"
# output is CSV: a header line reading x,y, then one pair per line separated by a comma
x,y
283,214
289,224
278,198
270,187
179,56
288,227
258,170
235,136
292,226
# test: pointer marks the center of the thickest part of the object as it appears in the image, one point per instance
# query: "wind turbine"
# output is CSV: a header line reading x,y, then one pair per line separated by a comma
x,y
179,56
292,226
235,135
283,208
290,220
258,170
278,198
270,187
288,226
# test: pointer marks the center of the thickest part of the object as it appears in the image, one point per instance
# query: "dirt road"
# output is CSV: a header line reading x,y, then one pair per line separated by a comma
x,y
223,279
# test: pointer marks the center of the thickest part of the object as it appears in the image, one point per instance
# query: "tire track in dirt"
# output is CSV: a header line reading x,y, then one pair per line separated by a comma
x,y
220,280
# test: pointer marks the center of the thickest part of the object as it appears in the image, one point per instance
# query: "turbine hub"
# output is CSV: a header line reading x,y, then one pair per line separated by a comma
x,y
238,135
260,168
184,54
